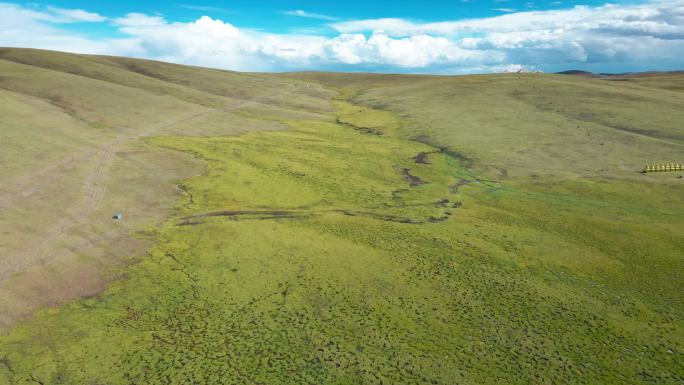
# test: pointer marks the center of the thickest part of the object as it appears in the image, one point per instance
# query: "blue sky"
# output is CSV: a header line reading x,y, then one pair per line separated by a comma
x,y
408,36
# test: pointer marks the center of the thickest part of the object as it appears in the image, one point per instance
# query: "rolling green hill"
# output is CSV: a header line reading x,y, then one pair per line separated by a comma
x,y
328,228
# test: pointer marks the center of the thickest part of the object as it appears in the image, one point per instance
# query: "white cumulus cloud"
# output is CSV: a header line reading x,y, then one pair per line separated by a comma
x,y
408,52
611,36
625,33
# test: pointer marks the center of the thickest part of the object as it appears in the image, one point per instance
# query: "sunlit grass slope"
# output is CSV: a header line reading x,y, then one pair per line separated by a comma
x,y
469,230
561,126
72,153
307,257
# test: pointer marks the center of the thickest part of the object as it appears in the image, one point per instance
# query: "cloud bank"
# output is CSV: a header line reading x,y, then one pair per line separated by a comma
x,y
610,35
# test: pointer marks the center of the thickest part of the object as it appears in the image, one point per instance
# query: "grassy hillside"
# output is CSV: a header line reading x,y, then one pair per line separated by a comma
x,y
360,229
72,155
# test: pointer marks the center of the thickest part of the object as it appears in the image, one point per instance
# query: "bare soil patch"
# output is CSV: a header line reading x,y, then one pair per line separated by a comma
x,y
421,158
412,179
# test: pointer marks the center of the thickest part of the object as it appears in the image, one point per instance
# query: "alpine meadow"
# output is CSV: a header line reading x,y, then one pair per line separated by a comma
x,y
337,228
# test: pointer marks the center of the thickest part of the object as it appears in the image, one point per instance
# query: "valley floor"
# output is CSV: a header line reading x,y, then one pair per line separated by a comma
x,y
362,233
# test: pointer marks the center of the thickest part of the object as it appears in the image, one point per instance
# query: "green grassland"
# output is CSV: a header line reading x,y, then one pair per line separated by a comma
x,y
72,153
382,229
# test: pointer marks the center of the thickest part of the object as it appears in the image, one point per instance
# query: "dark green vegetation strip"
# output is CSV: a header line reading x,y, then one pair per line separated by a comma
x,y
310,256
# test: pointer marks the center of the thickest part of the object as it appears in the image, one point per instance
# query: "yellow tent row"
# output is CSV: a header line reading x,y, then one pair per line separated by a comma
x,y
664,167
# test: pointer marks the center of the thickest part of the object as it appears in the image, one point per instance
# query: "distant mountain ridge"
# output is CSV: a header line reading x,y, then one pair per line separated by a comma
x,y
576,72
607,74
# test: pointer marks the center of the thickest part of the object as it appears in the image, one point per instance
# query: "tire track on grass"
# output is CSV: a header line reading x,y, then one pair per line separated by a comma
x,y
30,184
41,251
38,251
